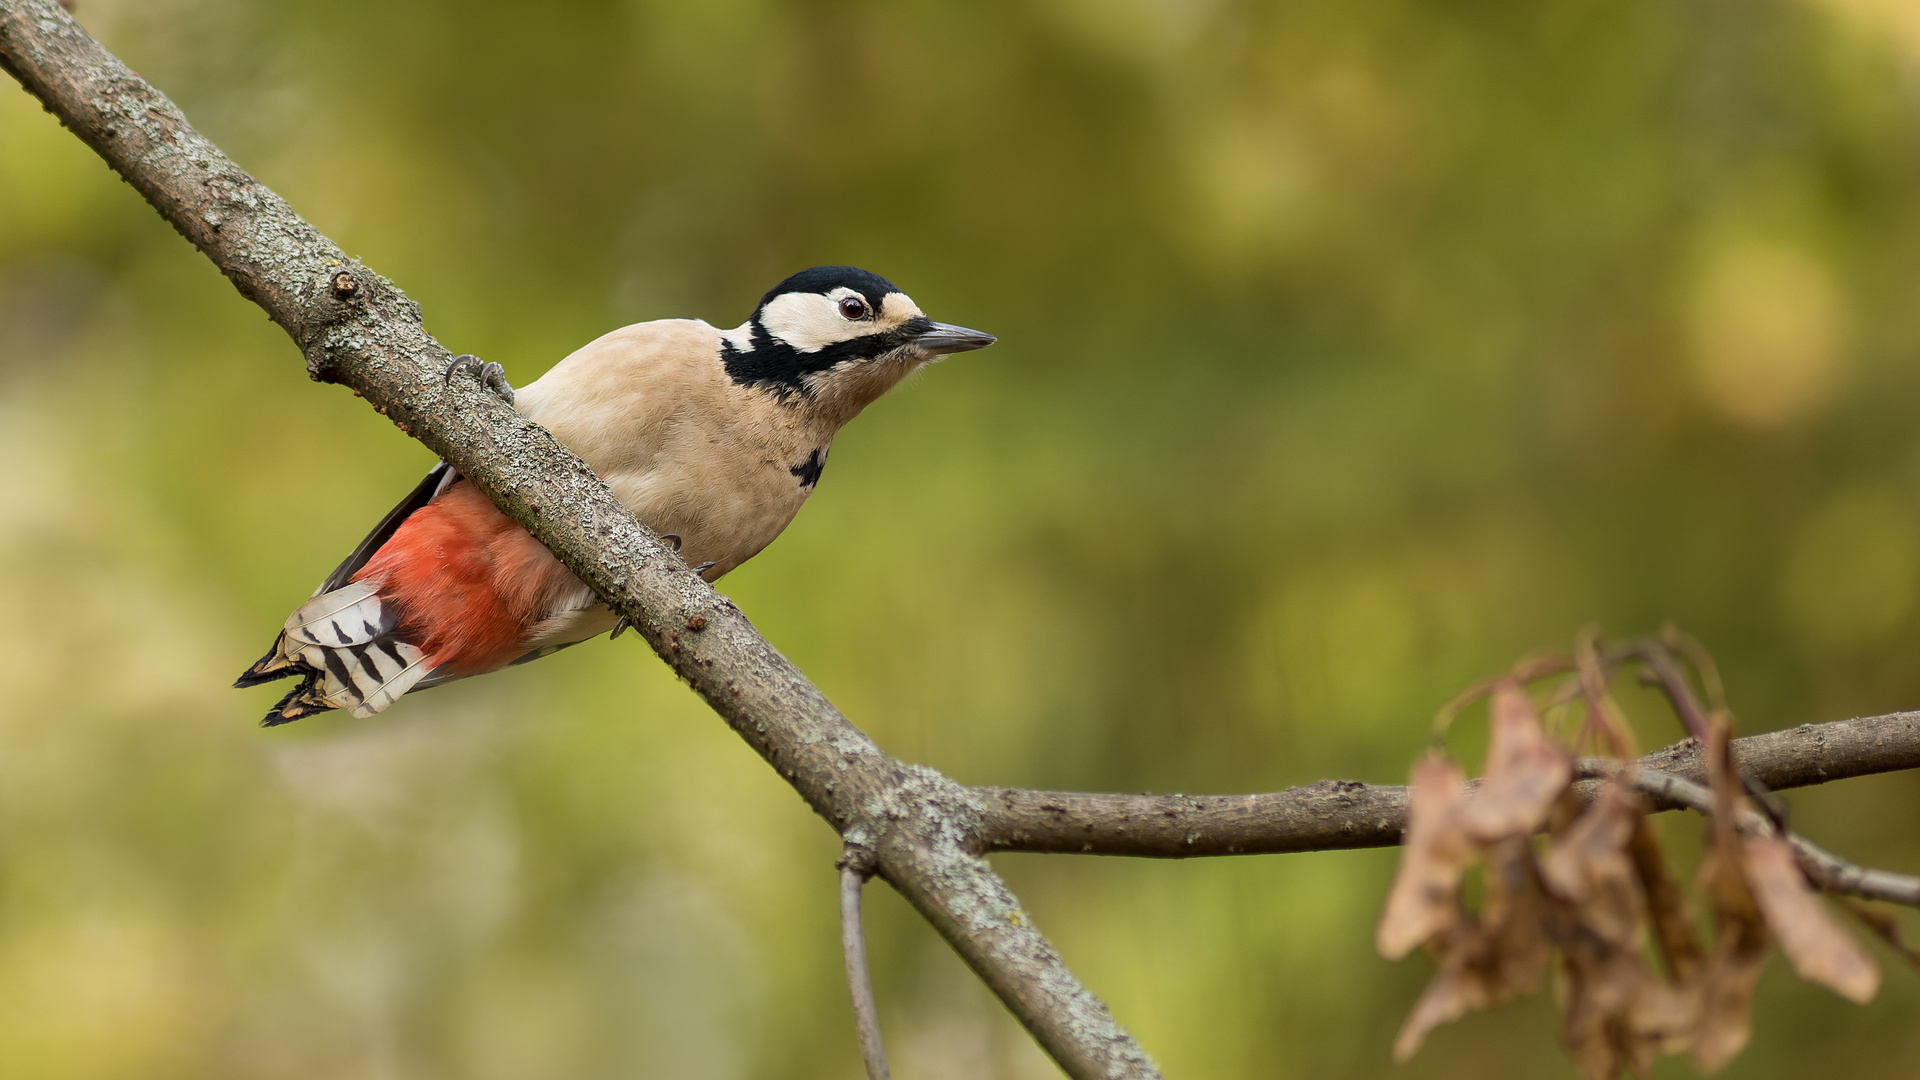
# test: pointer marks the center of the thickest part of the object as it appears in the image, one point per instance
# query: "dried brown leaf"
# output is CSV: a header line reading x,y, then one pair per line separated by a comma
x,y
1600,882
1815,945
1603,721
1602,984
1453,993
1724,781
1885,927
1726,993
1588,864
1488,959
1425,897
1667,906
1618,1013
1663,1015
1740,950
1526,771
1518,917
1722,878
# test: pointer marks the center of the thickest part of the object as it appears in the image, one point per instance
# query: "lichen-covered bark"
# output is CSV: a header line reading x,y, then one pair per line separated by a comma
x,y
922,831
355,328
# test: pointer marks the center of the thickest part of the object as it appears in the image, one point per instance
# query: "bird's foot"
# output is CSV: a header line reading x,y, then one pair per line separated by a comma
x,y
619,627
491,375
703,567
673,539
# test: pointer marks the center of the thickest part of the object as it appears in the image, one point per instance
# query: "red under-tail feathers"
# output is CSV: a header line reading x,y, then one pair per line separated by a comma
x,y
454,589
464,582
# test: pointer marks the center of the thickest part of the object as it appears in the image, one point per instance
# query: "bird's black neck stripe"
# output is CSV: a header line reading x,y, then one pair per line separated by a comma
x,y
809,470
771,364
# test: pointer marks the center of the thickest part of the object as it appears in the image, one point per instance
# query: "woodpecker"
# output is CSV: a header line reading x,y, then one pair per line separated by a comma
x,y
713,438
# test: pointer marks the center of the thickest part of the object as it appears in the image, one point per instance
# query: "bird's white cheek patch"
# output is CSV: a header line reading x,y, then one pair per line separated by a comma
x,y
807,321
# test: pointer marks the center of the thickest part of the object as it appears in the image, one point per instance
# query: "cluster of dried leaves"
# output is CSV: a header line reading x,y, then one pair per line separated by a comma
x,y
1580,874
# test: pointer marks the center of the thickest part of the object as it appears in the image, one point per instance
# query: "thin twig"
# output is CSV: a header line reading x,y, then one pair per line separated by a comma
x,y
1603,719
853,942
1827,871
1703,663
1661,669
1528,669
1842,878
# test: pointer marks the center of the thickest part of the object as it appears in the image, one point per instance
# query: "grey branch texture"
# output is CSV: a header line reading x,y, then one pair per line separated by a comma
x,y
357,329
921,831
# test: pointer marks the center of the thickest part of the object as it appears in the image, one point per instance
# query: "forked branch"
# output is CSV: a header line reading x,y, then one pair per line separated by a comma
x,y
922,832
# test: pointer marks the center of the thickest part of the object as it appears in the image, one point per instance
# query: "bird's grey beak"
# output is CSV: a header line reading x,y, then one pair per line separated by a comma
x,y
947,338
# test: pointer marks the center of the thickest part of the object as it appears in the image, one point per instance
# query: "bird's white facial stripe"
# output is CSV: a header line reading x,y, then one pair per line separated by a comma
x,y
740,337
810,322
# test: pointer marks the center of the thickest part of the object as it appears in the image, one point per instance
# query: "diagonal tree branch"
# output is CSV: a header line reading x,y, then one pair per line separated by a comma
x,y
921,831
357,329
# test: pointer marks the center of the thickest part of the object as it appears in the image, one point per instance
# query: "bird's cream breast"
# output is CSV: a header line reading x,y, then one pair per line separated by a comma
x,y
693,454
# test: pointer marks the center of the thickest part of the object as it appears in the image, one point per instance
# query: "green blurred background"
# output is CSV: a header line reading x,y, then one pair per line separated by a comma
x,y
1348,351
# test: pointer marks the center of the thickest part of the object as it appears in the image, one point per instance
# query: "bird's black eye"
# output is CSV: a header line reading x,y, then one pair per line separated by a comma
x,y
853,308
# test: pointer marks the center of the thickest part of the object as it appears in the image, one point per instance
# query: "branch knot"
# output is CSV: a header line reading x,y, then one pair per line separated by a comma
x,y
860,860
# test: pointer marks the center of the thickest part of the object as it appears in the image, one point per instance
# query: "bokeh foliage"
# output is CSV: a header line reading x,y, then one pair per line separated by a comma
x,y
1348,351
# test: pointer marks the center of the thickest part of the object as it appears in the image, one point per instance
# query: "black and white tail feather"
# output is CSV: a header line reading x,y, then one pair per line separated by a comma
x,y
342,643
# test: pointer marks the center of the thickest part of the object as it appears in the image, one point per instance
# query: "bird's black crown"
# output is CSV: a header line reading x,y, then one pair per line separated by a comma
x,y
825,279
